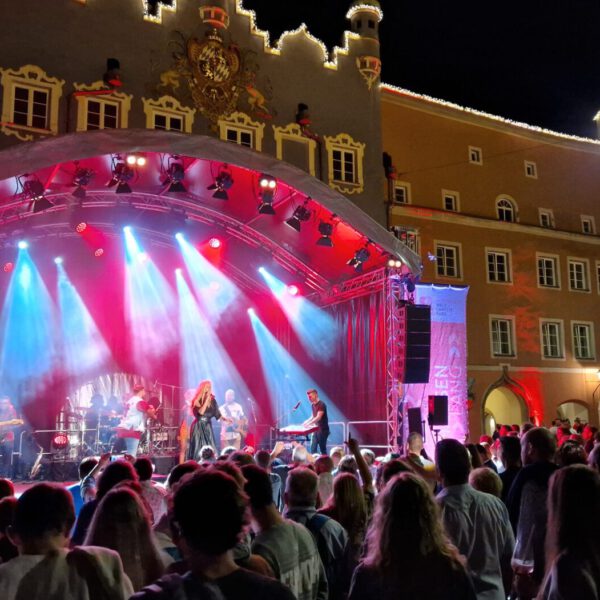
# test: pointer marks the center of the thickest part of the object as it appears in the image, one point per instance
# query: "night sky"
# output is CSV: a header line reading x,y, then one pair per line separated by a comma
x,y
536,61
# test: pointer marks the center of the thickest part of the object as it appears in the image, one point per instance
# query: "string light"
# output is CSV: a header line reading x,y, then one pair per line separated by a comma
x,y
157,18
365,7
386,87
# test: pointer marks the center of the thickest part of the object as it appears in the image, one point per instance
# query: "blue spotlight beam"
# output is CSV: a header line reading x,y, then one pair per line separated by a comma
x,y
202,353
27,331
84,349
215,291
286,380
316,329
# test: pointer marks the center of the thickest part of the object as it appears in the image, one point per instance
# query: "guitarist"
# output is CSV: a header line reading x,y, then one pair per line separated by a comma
x,y
233,434
8,420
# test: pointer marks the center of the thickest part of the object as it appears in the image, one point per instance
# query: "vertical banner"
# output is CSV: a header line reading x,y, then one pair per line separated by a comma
x,y
448,365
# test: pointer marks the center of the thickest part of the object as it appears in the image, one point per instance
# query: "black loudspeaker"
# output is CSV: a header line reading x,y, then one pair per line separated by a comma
x,y
414,421
164,464
417,342
438,411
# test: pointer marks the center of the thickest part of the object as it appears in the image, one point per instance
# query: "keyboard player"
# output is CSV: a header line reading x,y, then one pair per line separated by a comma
x,y
319,419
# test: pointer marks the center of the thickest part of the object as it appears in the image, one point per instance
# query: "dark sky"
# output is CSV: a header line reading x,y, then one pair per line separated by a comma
x,y
536,61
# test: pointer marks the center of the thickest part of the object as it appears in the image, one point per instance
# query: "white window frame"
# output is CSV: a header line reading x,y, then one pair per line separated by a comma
x,y
242,123
123,102
458,258
168,107
572,260
405,185
591,339
103,103
556,261
513,207
561,338
33,78
530,169
506,252
592,222
547,212
343,142
511,331
475,155
455,198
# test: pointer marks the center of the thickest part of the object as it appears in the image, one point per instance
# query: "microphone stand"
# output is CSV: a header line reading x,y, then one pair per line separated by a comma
x,y
283,416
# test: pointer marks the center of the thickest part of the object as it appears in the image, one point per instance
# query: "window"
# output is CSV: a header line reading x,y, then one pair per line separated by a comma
x,y
475,155
401,192
578,275
239,128
498,266
583,340
409,237
506,211
502,336
546,218
548,275
168,114
345,163
29,102
552,339
447,260
530,169
101,111
450,201
588,225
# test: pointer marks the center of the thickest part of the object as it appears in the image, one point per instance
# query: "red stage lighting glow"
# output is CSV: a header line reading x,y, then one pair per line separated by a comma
x,y
99,252
8,267
292,290
60,441
214,243
81,227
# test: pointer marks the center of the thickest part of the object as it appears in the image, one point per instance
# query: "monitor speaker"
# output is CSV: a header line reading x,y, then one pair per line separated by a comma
x,y
438,411
414,421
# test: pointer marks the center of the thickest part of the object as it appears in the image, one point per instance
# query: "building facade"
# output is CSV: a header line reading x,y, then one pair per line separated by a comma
x,y
512,212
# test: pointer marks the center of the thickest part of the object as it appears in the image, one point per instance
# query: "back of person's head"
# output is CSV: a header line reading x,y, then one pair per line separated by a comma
x,y
563,433
386,470
516,427
573,515
348,465
301,487
483,449
323,464
415,442
336,454
232,469
209,509
348,504
474,456
122,523
300,455
113,474
241,458
207,454
7,489
86,466
368,455
263,459
571,453
143,467
8,508
228,450
44,510
178,471
510,451
526,427
407,511
452,461
538,444
257,487
486,480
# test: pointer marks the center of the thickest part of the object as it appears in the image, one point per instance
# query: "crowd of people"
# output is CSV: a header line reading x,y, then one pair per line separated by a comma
x,y
516,515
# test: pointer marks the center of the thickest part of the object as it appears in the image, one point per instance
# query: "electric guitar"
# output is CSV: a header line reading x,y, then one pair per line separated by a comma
x,y
4,435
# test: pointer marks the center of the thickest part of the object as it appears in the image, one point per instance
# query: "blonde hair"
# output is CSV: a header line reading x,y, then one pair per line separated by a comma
x,y
202,393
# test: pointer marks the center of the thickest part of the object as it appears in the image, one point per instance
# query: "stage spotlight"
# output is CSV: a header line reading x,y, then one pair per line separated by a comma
x,y
267,185
127,229
251,312
81,227
33,189
214,242
99,252
292,290
360,256
262,270
179,236
223,181
22,245
60,441
130,159
136,159
326,230
81,180
8,267
178,271
121,175
394,263
299,216
58,260
174,176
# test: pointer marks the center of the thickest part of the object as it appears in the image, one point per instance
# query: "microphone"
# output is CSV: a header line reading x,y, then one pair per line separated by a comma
x,y
297,406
